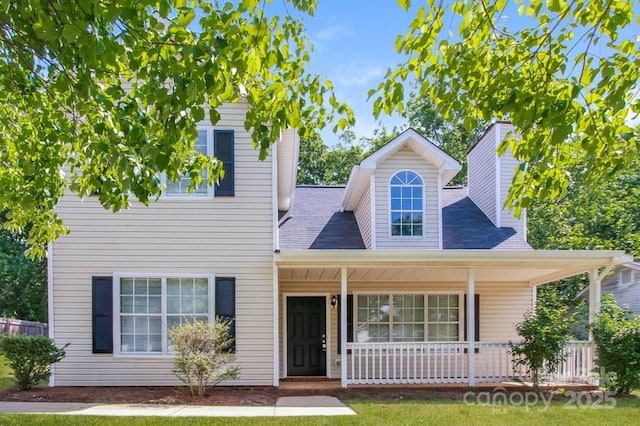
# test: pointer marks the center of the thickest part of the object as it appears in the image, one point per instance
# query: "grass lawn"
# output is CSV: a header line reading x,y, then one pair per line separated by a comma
x,y
627,411
6,378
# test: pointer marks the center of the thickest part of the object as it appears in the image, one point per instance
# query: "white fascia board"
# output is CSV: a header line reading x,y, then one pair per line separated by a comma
x,y
287,164
419,143
633,265
454,258
356,185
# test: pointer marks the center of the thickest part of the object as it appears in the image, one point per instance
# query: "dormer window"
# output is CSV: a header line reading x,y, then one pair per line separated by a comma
x,y
407,206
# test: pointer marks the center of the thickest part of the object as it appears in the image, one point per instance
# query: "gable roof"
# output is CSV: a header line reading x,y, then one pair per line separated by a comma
x,y
316,221
410,138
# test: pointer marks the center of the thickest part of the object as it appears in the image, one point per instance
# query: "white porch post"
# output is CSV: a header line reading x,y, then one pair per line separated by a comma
x,y
594,296
471,326
343,327
594,309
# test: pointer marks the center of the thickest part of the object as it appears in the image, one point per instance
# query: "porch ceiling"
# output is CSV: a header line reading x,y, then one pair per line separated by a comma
x,y
533,267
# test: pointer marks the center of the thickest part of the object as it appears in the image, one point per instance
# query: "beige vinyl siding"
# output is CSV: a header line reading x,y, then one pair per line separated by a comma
x,y
224,236
508,166
406,159
362,213
501,306
482,175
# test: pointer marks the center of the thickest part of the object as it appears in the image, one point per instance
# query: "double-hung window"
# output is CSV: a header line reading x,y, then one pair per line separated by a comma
x,y
203,145
407,204
407,318
443,317
148,307
218,143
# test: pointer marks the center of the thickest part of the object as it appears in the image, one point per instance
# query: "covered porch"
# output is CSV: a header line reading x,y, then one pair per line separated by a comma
x,y
408,317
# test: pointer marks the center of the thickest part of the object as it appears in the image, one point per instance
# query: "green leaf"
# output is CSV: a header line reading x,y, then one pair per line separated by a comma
x,y
405,4
185,18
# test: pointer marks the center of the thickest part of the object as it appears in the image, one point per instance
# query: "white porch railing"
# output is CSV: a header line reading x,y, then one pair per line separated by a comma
x,y
578,364
433,362
448,362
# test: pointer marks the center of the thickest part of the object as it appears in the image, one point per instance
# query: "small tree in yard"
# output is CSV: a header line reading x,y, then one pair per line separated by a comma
x,y
616,332
30,358
544,333
203,353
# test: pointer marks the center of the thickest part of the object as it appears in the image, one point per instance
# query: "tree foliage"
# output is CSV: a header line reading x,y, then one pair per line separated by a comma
x,y
23,280
543,332
566,76
111,91
319,165
616,333
593,215
203,353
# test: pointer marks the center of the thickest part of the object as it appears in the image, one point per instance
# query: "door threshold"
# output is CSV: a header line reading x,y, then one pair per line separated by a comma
x,y
306,379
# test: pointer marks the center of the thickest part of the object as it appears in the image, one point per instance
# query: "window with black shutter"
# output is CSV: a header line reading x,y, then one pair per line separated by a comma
x,y
476,312
102,314
349,321
223,149
226,302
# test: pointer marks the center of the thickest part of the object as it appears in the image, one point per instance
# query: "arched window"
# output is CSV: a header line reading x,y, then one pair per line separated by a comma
x,y
407,206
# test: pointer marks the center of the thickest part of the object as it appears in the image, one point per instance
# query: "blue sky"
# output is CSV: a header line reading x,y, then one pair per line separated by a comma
x,y
354,46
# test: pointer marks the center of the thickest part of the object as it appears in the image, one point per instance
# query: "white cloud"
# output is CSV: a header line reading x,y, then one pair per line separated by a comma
x,y
332,33
358,74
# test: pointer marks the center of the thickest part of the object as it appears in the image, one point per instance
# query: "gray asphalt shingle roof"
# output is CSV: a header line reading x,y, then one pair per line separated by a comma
x,y
316,222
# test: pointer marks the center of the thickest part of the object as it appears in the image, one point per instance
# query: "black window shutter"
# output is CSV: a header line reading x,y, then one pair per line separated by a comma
x,y
102,314
349,321
226,302
223,141
476,311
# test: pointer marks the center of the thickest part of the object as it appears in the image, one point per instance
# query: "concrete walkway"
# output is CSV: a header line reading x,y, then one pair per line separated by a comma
x,y
285,406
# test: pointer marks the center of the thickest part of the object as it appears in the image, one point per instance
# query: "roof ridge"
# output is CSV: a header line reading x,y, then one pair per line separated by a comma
x,y
321,186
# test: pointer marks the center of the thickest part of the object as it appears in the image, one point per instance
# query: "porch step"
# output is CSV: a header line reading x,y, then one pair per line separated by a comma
x,y
306,379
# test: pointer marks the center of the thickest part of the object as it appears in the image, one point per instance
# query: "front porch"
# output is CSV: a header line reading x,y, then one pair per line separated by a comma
x,y
405,319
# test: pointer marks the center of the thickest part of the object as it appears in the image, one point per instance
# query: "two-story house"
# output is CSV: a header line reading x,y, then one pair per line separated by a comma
x,y
394,278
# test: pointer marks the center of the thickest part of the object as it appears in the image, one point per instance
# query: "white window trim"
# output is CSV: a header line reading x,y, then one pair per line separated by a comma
x,y
165,354
210,188
424,209
461,311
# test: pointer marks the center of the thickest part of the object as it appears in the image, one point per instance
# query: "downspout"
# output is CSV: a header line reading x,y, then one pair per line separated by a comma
x,y
275,284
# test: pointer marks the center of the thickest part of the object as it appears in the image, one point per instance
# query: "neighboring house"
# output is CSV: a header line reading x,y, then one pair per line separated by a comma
x,y
369,283
623,283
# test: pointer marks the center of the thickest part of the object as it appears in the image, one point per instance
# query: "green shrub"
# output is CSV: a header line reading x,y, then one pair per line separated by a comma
x,y
202,354
544,334
30,358
616,332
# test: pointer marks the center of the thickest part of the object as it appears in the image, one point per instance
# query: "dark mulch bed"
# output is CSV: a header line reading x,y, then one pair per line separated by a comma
x,y
227,395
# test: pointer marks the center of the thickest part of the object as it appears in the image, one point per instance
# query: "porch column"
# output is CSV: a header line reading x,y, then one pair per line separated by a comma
x,y
471,327
343,327
594,309
594,296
